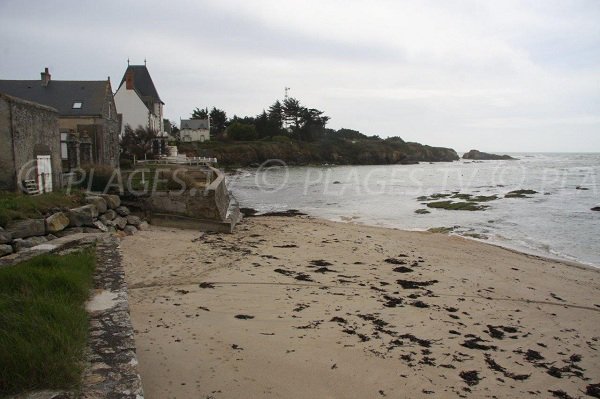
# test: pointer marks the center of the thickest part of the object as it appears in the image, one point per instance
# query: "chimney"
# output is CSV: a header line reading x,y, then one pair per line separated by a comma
x,y
129,79
45,77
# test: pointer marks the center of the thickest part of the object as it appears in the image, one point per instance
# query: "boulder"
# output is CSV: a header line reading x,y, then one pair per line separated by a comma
x,y
51,237
596,208
57,222
99,202
100,226
82,216
110,214
134,220
130,230
112,201
5,236
22,243
111,229
120,222
143,226
27,228
103,219
91,230
5,250
123,211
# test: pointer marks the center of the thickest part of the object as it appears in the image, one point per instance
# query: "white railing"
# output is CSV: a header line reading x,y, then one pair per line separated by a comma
x,y
178,160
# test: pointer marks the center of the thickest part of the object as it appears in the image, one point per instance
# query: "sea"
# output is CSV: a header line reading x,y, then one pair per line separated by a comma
x,y
556,221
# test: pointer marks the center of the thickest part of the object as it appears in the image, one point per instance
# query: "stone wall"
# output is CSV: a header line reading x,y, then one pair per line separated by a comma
x,y
210,203
26,130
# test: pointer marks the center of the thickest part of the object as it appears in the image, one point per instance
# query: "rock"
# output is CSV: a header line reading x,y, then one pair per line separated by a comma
x,y
57,222
91,230
110,214
134,220
99,202
484,156
104,220
5,250
120,222
22,243
82,216
5,236
51,237
596,208
100,226
69,231
27,228
112,201
130,230
111,229
143,226
123,211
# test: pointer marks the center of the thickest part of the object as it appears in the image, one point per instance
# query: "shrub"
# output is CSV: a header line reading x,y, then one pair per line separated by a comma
x,y
242,132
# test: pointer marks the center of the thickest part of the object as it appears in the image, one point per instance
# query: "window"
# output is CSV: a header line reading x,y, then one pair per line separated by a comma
x,y
64,152
77,105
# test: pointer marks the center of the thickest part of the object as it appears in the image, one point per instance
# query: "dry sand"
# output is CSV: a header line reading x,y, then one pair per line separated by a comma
x,y
306,308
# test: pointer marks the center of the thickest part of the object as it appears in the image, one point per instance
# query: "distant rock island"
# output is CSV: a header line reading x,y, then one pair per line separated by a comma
x,y
484,156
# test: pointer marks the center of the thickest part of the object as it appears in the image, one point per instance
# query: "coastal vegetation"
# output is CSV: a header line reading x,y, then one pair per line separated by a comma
x,y
43,322
298,135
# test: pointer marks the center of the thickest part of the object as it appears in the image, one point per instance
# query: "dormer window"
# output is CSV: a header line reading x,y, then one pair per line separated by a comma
x,y
77,105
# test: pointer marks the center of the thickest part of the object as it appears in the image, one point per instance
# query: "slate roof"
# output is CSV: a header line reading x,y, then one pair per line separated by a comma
x,y
194,124
61,94
142,82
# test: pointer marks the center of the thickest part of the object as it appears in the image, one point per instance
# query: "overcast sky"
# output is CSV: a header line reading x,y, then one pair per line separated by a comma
x,y
492,75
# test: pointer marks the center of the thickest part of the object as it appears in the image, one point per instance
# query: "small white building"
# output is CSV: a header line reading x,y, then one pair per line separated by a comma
x,y
138,101
194,130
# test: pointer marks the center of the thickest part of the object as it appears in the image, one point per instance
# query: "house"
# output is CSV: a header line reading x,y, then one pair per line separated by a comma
x,y
87,116
138,101
31,148
194,130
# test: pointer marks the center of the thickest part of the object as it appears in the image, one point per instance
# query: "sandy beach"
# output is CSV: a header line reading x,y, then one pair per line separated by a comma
x,y
306,308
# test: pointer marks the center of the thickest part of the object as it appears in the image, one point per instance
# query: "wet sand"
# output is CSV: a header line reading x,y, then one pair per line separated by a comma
x,y
306,308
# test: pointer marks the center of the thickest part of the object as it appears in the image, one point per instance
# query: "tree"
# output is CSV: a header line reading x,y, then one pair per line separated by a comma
x,y
138,142
242,131
276,115
200,113
292,111
218,121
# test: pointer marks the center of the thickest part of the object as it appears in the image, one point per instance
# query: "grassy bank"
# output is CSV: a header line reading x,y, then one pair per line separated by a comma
x,y
15,206
43,322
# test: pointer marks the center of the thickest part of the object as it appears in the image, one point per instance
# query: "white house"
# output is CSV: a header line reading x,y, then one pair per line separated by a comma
x,y
138,101
194,130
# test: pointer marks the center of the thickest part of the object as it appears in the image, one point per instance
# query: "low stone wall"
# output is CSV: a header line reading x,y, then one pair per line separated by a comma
x,y
112,370
103,213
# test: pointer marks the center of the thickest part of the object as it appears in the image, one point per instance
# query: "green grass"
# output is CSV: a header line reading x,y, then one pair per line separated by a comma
x,y
16,206
43,322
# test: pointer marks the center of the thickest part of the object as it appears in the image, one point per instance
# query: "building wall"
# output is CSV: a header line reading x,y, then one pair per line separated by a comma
x,y
29,130
134,112
190,135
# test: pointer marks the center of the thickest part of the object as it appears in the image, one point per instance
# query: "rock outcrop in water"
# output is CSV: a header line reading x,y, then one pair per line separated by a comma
x,y
484,156
341,152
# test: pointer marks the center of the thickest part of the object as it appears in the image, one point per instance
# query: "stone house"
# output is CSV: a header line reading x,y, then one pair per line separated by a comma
x,y
194,130
30,149
87,116
138,101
